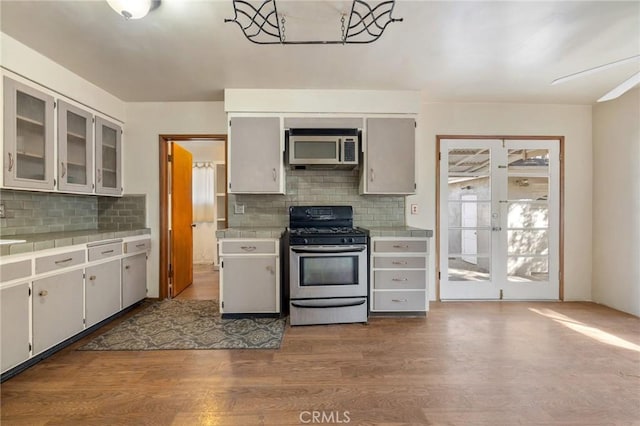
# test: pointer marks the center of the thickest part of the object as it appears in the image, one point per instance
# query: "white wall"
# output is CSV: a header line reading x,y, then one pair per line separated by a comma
x,y
616,203
145,122
571,121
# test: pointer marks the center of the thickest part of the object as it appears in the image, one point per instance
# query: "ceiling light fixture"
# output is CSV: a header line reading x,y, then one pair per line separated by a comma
x,y
262,24
131,9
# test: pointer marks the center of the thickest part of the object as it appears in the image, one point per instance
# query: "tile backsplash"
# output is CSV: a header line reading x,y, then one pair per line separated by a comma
x,y
317,187
28,212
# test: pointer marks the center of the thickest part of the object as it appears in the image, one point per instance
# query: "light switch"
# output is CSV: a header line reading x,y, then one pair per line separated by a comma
x,y
238,208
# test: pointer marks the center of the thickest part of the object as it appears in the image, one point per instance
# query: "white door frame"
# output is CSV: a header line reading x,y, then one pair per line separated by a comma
x,y
556,248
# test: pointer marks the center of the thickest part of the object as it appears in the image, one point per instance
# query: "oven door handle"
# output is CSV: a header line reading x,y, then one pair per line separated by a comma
x,y
328,250
335,305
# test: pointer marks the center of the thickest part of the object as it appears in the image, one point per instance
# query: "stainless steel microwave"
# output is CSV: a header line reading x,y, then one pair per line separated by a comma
x,y
323,147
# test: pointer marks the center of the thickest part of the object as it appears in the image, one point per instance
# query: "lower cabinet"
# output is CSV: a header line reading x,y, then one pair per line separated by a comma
x,y
102,291
57,309
250,276
399,275
14,325
134,279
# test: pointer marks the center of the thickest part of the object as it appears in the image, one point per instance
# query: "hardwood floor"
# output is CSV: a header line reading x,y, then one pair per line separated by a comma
x,y
482,363
205,284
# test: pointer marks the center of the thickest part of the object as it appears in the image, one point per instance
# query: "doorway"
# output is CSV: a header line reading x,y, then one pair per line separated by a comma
x,y
499,218
188,257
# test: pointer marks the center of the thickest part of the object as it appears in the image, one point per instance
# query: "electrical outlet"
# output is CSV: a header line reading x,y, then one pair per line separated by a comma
x,y
238,208
1,211
414,209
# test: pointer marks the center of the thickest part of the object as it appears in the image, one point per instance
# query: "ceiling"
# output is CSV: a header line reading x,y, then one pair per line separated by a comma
x,y
477,51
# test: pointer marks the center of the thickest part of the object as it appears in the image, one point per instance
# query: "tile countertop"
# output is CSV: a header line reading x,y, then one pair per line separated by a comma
x,y
400,231
35,242
252,232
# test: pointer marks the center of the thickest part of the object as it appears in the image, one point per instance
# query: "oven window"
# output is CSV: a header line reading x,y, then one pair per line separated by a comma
x,y
328,270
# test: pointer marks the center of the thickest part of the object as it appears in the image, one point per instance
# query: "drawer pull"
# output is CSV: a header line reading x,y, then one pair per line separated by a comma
x,y
400,279
107,251
69,259
43,293
398,262
401,246
399,300
248,248
92,278
140,245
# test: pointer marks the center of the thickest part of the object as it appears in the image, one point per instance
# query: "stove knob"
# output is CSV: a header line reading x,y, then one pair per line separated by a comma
x,y
344,240
351,240
305,241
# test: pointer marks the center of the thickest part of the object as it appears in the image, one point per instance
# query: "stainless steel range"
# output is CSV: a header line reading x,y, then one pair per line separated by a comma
x,y
327,266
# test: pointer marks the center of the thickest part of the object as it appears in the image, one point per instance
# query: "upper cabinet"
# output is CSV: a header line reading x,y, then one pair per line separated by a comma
x,y
389,158
255,155
28,137
108,155
75,148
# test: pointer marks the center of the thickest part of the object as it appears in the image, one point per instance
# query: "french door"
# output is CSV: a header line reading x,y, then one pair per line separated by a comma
x,y
499,219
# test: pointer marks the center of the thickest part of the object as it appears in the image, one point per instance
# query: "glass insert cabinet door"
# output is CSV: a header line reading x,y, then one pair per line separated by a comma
x,y
499,219
108,157
28,137
75,148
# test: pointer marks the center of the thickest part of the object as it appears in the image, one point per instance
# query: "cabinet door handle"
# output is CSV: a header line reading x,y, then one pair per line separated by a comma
x,y
399,279
373,175
399,300
107,251
10,161
140,245
68,259
248,248
397,262
92,278
270,269
401,246
64,169
43,293
99,173
275,174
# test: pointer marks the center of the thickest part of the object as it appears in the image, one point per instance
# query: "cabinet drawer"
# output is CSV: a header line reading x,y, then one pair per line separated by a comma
x,y
59,261
399,262
13,271
400,280
400,246
399,301
104,251
137,246
248,247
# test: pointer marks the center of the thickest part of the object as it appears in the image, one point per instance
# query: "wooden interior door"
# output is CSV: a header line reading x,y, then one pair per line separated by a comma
x,y
181,219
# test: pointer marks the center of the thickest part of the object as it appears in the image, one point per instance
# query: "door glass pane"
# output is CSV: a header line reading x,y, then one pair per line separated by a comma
x,y
315,149
469,242
476,268
109,162
528,242
529,161
468,174
528,215
30,137
524,269
469,214
76,149
528,188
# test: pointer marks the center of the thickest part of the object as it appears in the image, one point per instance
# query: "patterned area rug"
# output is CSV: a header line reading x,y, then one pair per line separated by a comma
x,y
188,324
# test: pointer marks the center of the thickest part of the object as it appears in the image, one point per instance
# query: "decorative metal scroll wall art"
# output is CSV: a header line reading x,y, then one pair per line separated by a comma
x,y
263,25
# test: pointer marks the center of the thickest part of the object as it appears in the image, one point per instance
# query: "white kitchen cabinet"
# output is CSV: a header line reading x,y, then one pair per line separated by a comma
x,y
28,137
389,158
102,291
399,275
256,155
134,279
249,276
14,325
58,310
75,148
108,157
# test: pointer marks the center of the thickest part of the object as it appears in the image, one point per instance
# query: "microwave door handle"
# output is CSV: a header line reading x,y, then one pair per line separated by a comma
x,y
328,250
340,150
